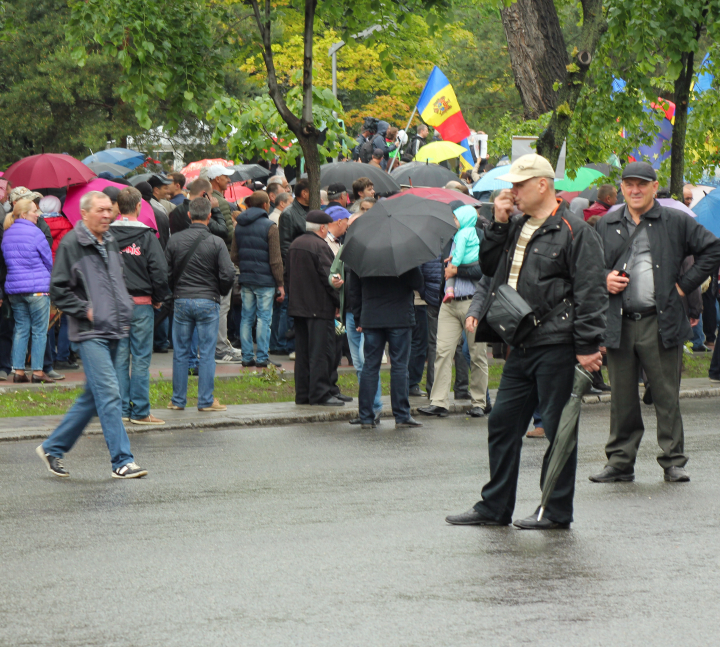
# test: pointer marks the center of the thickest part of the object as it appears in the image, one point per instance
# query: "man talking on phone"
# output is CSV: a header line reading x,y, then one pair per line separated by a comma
x,y
645,245
554,261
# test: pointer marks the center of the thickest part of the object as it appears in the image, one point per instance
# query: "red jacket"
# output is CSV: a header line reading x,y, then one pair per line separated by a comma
x,y
59,226
597,209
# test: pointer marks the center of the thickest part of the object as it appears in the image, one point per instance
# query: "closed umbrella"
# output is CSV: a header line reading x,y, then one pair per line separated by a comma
x,y
48,171
437,152
121,156
566,436
347,172
489,181
584,178
107,167
397,235
441,195
423,174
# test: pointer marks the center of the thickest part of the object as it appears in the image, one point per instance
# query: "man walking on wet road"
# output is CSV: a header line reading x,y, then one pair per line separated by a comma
x,y
554,262
645,246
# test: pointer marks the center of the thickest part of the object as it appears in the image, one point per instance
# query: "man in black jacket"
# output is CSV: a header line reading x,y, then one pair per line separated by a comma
x,y
383,308
200,272
88,286
554,261
180,215
313,303
146,281
647,321
292,220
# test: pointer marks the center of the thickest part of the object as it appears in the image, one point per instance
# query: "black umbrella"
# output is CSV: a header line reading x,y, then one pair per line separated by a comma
x,y
397,235
251,171
589,194
423,174
348,172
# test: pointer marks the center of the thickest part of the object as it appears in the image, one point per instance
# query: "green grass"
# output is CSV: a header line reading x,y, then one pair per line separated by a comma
x,y
268,386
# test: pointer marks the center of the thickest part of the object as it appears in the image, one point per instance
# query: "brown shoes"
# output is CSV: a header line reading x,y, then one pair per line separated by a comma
x,y
41,379
20,379
215,406
148,420
538,432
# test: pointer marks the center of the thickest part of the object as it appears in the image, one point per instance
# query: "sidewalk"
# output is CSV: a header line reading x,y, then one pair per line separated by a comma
x,y
279,413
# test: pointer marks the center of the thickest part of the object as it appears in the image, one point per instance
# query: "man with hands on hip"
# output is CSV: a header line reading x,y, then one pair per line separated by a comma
x,y
645,245
554,261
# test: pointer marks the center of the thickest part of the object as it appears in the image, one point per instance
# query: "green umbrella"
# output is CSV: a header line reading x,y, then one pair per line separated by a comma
x,y
583,179
566,435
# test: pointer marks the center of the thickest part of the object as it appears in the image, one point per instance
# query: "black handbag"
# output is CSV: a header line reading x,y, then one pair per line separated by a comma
x,y
512,318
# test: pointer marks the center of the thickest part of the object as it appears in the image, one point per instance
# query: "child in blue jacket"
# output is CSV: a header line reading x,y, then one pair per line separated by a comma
x,y
467,244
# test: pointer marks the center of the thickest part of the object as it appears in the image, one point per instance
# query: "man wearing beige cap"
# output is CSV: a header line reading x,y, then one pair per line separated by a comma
x,y
554,261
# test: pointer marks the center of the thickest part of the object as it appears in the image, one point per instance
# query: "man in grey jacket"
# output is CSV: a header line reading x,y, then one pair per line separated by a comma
x,y
647,322
87,285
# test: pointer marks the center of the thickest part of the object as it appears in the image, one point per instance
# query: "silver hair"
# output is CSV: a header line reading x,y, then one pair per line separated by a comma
x,y
277,179
335,196
50,204
200,209
86,202
283,197
313,226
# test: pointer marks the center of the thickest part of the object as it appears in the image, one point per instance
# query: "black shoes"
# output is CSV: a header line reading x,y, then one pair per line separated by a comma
x,y
265,364
66,366
473,518
53,464
532,523
250,363
611,474
129,471
331,402
410,422
417,392
432,410
675,474
647,396
357,421
344,398
463,396
477,412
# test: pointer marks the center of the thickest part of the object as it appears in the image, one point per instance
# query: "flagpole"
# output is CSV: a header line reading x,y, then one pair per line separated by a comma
x,y
392,161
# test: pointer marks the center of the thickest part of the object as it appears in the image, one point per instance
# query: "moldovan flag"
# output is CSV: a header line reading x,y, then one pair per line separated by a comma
x,y
438,107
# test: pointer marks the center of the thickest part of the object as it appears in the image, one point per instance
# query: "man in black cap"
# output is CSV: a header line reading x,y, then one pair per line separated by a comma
x,y
337,197
645,245
313,303
161,191
161,218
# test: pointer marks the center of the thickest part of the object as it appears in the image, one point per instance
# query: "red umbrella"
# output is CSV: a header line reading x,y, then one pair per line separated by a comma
x,y
48,171
192,170
441,195
237,191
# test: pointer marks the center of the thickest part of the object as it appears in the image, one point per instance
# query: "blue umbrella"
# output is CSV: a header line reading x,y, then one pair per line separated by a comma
x,y
488,182
708,211
121,156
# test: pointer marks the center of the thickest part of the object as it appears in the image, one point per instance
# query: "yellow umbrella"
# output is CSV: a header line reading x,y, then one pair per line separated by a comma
x,y
437,152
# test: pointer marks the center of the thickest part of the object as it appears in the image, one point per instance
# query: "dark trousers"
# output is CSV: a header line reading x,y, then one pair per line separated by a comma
x,y
641,346
313,344
709,316
462,369
336,355
7,329
398,341
418,346
542,375
713,372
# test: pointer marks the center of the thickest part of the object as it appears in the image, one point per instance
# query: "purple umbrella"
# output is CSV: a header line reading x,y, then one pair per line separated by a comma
x,y
665,202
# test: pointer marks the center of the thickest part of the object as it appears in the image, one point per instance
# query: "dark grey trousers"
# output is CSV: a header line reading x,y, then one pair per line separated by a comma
x,y
640,345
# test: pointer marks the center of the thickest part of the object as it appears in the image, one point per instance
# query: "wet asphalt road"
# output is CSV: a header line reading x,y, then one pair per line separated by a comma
x,y
329,535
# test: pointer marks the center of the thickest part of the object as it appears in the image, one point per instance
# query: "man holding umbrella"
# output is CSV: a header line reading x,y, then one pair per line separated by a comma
x,y
553,261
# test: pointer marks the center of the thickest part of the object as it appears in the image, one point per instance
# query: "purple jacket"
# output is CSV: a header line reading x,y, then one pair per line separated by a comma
x,y
28,259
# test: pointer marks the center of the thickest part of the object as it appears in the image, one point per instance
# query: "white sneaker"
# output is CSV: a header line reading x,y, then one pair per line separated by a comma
x,y
227,357
291,355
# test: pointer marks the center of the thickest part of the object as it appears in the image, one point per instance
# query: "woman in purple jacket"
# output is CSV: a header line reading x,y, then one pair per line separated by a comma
x,y
27,286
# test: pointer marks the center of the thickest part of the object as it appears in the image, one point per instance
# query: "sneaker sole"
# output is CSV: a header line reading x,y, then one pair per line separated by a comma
x,y
137,475
475,523
145,422
229,361
174,408
41,453
403,425
209,410
614,479
684,479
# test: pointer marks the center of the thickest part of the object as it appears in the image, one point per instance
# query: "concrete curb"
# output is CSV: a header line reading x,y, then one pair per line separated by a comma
x,y
265,415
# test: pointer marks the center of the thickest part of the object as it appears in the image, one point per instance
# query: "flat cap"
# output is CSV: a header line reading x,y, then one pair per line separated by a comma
x,y
318,217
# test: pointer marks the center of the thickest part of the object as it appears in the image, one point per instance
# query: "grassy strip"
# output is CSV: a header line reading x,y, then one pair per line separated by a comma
x,y
255,388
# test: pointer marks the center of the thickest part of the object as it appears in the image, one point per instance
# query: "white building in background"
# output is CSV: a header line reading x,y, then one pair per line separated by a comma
x,y
161,142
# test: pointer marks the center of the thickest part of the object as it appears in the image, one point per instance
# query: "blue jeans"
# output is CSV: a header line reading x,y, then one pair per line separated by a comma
x,y
102,398
256,301
277,343
698,338
193,361
61,340
356,341
32,315
203,316
398,340
135,390
286,322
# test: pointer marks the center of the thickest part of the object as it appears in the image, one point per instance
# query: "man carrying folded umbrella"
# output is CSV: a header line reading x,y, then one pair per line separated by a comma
x,y
553,261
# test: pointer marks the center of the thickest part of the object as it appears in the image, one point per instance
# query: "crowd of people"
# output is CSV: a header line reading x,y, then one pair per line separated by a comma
x,y
616,287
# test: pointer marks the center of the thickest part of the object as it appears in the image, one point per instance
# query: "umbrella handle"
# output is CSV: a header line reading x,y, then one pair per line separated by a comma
x,y
540,514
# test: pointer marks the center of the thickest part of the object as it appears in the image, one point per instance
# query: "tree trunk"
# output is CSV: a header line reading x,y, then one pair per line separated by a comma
x,y
550,142
309,146
677,151
537,52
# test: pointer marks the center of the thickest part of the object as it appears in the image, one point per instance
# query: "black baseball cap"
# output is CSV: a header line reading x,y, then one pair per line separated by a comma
x,y
156,180
336,188
640,171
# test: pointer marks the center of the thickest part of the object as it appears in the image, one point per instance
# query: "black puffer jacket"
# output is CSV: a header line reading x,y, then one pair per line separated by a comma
x,y
563,260
385,301
673,236
208,274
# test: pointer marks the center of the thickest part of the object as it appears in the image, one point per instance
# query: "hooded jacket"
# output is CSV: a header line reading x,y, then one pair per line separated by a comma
x,y
59,225
28,259
83,279
673,236
253,248
467,243
563,261
146,271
